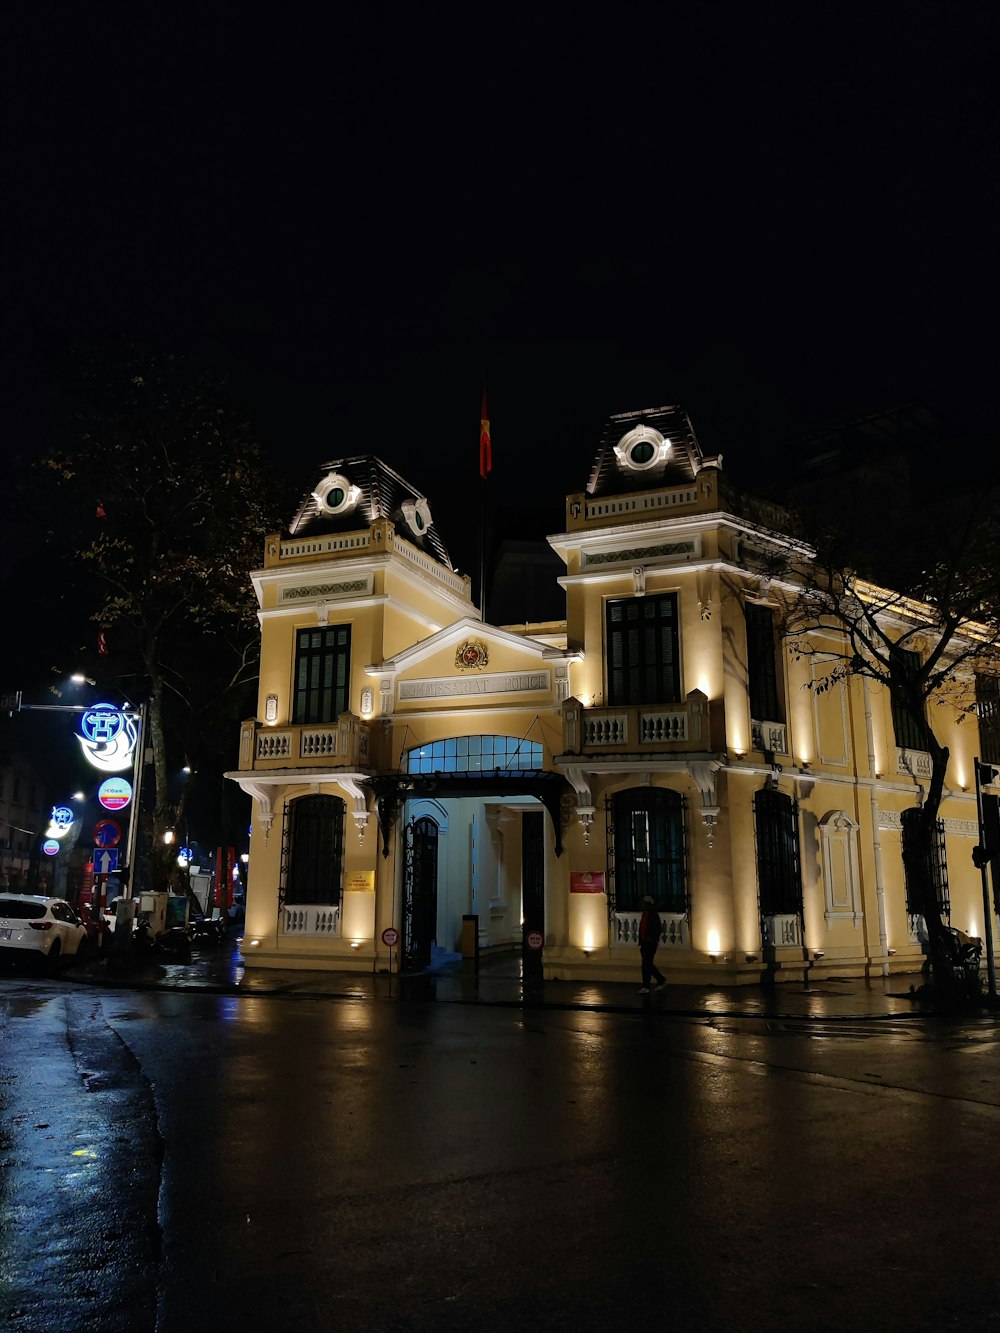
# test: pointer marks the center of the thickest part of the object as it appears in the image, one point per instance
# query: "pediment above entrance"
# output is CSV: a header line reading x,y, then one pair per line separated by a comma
x,y
470,661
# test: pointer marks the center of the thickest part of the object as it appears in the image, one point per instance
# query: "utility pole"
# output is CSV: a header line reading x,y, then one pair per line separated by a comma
x,y
11,703
133,824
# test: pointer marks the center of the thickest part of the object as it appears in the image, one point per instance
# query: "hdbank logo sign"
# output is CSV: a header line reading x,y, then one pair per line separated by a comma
x,y
114,794
108,737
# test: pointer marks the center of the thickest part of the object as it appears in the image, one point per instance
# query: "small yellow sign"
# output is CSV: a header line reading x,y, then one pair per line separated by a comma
x,y
360,881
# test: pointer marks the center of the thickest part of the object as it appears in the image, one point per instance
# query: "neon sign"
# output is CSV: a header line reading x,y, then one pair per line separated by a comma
x,y
108,737
60,823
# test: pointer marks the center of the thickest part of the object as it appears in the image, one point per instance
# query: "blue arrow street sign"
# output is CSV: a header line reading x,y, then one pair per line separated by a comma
x,y
106,861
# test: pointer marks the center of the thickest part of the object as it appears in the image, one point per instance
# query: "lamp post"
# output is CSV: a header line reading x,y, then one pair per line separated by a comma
x,y
133,823
12,703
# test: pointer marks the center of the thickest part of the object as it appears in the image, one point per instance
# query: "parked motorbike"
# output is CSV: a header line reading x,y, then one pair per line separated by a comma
x,y
173,945
206,932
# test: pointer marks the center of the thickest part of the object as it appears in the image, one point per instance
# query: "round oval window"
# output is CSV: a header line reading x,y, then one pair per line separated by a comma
x,y
418,521
642,452
335,498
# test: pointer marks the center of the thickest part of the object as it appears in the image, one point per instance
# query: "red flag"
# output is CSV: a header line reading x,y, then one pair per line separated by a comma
x,y
101,511
102,643
485,446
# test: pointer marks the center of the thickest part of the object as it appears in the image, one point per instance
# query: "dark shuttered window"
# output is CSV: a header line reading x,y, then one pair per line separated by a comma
x,y
988,709
762,665
322,673
642,645
910,732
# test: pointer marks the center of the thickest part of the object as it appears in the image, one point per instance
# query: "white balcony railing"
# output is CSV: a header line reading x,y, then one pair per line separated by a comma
x,y
915,762
636,727
312,921
602,727
772,736
344,743
673,929
781,932
315,742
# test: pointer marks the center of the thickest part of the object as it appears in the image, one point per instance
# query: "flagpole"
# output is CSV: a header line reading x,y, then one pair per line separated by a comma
x,y
482,556
485,468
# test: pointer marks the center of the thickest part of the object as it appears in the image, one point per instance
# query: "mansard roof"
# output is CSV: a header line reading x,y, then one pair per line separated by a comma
x,y
613,475
382,494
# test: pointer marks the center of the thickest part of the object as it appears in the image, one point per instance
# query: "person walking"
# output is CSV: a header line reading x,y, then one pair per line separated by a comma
x,y
649,939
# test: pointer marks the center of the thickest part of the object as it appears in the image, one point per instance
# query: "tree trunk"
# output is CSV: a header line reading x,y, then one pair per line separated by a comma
x,y
918,858
160,856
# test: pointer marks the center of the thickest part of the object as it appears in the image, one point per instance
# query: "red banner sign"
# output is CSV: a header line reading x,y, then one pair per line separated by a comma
x,y
586,881
224,865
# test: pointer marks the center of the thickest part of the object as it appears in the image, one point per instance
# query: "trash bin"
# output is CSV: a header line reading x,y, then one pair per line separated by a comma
x,y
470,937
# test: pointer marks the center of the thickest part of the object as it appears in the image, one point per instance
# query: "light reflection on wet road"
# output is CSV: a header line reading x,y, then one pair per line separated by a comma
x,y
374,1165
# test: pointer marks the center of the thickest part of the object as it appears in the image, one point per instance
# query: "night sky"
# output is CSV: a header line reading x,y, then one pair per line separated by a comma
x,y
780,217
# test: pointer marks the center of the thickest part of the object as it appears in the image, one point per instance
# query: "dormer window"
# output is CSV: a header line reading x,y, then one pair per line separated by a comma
x,y
336,496
417,514
642,450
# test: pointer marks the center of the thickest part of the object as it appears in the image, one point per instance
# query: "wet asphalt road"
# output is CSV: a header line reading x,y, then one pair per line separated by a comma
x,y
192,1161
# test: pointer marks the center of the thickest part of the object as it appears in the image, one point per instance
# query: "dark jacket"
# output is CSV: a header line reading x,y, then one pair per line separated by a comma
x,y
649,928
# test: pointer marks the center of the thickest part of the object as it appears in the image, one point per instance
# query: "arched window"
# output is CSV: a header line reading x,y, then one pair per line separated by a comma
x,y
314,850
476,754
648,849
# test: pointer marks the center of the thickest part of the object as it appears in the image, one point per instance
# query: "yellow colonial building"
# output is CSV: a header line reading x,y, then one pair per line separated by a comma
x,y
427,783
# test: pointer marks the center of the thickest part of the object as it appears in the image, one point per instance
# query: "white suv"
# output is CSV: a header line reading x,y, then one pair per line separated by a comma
x,y
45,930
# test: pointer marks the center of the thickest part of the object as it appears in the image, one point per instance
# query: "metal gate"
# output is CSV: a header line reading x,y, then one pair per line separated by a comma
x,y
420,863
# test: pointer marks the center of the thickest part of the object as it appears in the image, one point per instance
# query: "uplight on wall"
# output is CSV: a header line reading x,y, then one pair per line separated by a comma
x,y
714,943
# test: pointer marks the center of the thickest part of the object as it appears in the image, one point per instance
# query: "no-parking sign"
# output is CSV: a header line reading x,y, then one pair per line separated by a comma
x,y
390,937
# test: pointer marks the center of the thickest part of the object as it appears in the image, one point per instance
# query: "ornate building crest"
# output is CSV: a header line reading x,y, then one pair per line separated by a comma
x,y
472,655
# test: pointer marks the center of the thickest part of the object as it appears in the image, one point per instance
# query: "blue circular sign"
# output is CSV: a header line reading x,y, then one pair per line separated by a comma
x,y
50,847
